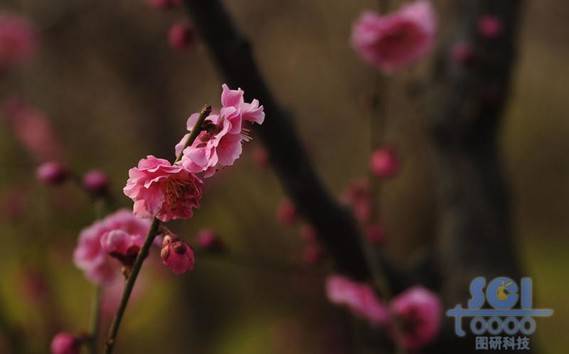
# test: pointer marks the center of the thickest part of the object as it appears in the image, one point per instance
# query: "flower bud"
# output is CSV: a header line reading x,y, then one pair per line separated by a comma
x,y
177,255
490,26
181,36
384,163
52,173
96,182
65,343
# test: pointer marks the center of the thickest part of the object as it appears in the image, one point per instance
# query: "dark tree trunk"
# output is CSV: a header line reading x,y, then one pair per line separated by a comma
x,y
475,232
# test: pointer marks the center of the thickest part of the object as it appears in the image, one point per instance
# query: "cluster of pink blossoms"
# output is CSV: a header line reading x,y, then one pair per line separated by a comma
x,y
413,318
171,191
394,41
18,42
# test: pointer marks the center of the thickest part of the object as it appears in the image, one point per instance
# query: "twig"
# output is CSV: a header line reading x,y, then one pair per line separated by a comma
x,y
109,345
152,233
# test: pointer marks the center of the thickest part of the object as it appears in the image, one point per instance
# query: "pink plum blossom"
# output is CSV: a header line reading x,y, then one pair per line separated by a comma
x,y
65,343
18,42
490,26
219,143
162,190
91,254
52,173
122,245
419,312
177,255
384,162
96,182
359,298
32,129
181,36
394,41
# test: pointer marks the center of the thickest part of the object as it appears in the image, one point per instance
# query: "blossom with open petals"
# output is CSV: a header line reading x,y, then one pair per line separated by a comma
x,y
162,190
359,298
418,312
93,253
219,143
394,41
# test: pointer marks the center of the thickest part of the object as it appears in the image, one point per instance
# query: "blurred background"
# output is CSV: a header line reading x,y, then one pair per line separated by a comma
x,y
114,91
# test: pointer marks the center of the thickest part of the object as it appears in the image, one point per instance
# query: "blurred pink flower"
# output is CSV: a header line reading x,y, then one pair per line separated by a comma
x,y
52,173
249,112
122,246
219,144
181,36
209,241
65,343
393,42
384,162
358,196
359,298
177,255
96,182
90,255
32,129
286,212
18,41
490,26
162,190
419,312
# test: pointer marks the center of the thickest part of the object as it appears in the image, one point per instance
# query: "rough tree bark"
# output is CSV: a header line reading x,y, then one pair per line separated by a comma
x,y
475,232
